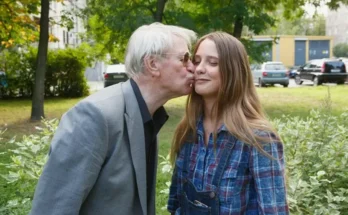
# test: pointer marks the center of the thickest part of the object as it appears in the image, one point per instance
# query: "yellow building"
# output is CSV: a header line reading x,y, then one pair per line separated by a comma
x,y
296,50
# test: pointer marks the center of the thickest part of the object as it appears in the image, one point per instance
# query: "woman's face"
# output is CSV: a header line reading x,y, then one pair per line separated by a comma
x,y
207,73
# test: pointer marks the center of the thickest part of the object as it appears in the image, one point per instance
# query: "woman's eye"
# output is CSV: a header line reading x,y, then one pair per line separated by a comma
x,y
213,63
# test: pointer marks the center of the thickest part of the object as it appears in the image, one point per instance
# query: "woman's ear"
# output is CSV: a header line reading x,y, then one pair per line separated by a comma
x,y
152,65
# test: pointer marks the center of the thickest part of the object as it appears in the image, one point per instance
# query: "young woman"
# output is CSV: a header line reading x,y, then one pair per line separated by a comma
x,y
228,159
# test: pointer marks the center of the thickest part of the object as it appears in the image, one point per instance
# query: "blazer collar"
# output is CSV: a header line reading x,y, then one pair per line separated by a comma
x,y
136,137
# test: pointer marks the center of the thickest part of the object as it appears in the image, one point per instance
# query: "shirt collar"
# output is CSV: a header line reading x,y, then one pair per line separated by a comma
x,y
145,114
160,116
200,128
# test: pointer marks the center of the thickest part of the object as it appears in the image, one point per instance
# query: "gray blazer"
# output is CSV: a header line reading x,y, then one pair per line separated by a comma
x,y
97,159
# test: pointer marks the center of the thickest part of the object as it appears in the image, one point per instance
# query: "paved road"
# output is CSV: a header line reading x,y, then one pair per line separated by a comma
x,y
292,84
95,85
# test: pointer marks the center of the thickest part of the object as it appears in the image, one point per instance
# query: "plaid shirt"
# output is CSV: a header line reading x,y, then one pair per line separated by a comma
x,y
251,184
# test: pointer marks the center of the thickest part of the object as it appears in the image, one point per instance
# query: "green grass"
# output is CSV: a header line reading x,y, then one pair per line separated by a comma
x,y
15,114
276,102
299,101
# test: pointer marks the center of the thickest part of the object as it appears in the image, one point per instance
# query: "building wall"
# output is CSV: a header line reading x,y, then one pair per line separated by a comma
x,y
287,50
67,38
337,24
283,48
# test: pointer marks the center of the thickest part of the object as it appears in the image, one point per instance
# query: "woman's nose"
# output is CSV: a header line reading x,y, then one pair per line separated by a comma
x,y
199,69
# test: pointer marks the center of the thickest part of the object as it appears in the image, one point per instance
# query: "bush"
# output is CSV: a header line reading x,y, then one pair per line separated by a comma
x,y
317,159
19,73
64,76
24,170
65,73
341,50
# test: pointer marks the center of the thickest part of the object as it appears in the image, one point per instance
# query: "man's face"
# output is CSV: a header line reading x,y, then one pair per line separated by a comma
x,y
177,70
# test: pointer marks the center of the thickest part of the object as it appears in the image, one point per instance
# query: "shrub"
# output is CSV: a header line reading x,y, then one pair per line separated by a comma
x,y
341,50
64,75
27,161
19,73
317,159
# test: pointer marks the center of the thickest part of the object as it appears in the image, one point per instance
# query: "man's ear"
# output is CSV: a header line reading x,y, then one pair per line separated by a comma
x,y
152,65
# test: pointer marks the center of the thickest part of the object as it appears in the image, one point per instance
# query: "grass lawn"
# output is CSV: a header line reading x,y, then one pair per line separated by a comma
x,y
276,101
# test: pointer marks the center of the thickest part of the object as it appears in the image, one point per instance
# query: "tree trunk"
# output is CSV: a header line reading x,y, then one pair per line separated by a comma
x,y
160,9
238,27
37,108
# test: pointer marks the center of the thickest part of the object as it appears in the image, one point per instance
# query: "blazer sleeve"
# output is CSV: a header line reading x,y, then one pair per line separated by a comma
x,y
77,153
269,177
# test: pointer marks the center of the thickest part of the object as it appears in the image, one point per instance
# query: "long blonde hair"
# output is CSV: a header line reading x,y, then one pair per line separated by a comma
x,y
237,101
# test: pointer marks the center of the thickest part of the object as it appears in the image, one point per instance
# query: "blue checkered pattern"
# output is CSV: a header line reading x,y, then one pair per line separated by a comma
x,y
251,184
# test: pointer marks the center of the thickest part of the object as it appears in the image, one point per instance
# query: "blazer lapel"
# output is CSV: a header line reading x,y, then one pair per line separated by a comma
x,y
136,137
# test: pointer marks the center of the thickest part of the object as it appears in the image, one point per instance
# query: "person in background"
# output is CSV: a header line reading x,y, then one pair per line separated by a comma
x,y
228,158
103,157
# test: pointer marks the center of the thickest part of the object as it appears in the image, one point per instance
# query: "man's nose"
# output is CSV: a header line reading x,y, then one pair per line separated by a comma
x,y
190,67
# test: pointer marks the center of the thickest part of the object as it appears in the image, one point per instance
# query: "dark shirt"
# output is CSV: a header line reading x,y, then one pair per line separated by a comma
x,y
152,125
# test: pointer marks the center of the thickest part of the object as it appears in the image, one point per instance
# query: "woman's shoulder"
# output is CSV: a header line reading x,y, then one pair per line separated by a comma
x,y
268,135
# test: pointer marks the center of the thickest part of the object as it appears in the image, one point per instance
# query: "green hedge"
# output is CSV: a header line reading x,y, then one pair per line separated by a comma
x,y
64,76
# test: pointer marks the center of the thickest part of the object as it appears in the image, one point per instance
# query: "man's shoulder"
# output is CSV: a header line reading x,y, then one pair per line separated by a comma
x,y
109,101
109,94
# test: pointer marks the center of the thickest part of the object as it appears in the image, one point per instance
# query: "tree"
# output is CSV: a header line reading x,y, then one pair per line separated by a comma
x,y
300,25
341,50
37,108
160,9
17,22
112,22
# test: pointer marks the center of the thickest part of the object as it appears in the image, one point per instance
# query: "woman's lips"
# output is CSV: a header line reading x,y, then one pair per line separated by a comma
x,y
201,80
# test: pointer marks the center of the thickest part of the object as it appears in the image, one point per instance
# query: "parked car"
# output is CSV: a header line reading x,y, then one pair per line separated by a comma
x,y
345,61
322,71
115,74
270,73
293,71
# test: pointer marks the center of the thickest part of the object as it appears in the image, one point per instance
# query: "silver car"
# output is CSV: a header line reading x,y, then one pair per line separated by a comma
x,y
270,73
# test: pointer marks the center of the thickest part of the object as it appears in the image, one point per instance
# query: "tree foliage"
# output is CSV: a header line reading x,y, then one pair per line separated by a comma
x,y
110,23
300,25
18,22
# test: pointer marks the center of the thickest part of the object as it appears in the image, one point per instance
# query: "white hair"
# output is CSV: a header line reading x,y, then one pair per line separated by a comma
x,y
153,39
